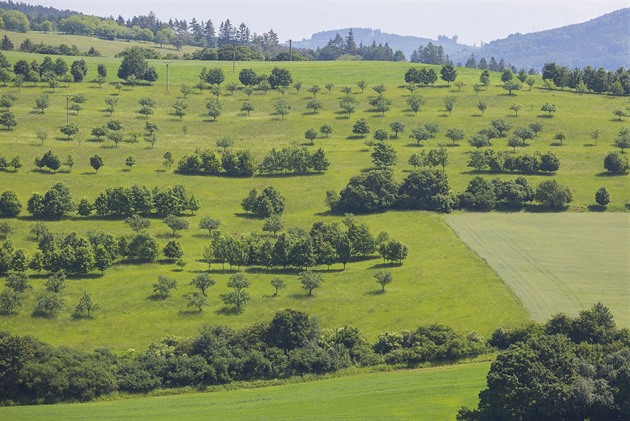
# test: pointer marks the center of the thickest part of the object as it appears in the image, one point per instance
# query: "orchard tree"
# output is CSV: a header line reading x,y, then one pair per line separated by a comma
x,y
42,102
310,281
512,86
197,300
282,108
415,103
622,141
311,134
602,197
175,223
214,76
202,282
362,85
383,278
516,108
361,127
164,285
449,104
180,109
553,195
548,108
225,142
85,307
238,296
381,135
560,137
214,107
348,104
173,250
455,135
277,284
397,127
273,224
209,224
384,155
482,106
130,161
96,162
247,107
69,129
314,105
419,134
448,74
484,78
326,130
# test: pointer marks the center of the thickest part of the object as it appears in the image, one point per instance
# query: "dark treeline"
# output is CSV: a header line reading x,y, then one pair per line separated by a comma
x,y
566,369
292,344
587,79
347,48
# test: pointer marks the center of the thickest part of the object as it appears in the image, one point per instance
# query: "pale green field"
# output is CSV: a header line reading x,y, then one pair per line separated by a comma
x,y
427,394
556,262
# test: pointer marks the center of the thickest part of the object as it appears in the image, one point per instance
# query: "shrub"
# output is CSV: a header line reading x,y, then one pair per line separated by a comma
x,y
616,163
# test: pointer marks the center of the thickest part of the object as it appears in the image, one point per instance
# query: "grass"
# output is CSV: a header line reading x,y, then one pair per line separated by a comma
x,y
556,262
424,394
441,281
107,48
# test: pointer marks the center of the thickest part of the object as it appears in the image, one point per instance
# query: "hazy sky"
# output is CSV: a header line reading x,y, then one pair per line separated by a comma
x,y
296,19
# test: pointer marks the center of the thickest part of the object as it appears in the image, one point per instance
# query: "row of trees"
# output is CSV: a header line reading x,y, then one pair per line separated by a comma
x,y
323,244
291,344
377,191
500,162
588,79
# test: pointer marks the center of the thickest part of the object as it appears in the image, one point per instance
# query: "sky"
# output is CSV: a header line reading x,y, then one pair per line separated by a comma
x,y
472,21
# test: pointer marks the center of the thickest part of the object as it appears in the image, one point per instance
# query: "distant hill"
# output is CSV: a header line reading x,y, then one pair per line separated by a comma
x,y
600,42
398,42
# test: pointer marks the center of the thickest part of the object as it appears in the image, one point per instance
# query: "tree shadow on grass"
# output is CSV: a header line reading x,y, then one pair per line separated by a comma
x,y
385,265
228,311
247,216
375,292
303,296
157,297
190,313
597,208
610,174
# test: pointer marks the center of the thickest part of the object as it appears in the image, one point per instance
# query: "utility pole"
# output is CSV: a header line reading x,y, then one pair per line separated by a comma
x,y
67,109
167,63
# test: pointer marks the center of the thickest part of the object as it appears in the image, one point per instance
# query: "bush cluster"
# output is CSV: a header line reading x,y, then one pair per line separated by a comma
x,y
483,195
291,344
239,164
376,191
323,244
140,200
500,162
293,160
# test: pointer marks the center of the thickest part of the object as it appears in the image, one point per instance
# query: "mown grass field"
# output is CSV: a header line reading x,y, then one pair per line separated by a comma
x,y
441,281
424,394
556,262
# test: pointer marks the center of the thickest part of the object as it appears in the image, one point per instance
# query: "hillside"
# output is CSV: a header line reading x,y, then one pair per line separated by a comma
x,y
398,42
600,42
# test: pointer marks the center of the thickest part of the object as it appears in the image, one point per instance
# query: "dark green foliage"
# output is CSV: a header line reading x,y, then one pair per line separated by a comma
x,y
568,368
48,305
142,247
86,306
139,200
241,164
9,204
49,160
483,195
10,302
293,159
135,64
268,202
291,329
372,191
164,285
426,190
54,204
280,77
616,163
500,162
602,197
553,195
173,250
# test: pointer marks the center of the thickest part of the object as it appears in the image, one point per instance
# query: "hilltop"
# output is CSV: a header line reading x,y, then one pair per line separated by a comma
x,y
600,42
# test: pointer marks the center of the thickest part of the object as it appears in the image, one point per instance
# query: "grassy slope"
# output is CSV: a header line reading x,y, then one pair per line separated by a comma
x,y
426,394
441,281
105,47
556,262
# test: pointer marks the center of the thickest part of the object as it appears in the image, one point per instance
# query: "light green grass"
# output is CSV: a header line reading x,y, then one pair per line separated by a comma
x,y
426,394
107,48
556,262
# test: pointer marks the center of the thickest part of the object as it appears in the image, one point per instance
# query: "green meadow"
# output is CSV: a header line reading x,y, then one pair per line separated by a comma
x,y
423,394
478,283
